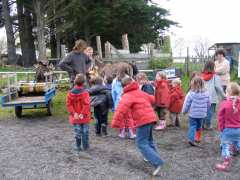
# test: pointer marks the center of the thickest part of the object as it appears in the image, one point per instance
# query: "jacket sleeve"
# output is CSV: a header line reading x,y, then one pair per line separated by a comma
x,y
69,104
218,87
221,113
122,109
86,109
172,99
187,103
65,64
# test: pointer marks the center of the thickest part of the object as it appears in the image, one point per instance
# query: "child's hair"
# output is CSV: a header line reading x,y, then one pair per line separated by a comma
x,y
220,52
126,80
162,74
177,81
109,79
80,45
193,74
79,79
197,84
209,66
141,76
233,89
97,80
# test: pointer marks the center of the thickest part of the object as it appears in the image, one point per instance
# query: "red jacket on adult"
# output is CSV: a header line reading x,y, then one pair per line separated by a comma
x,y
162,93
229,117
176,99
78,101
138,103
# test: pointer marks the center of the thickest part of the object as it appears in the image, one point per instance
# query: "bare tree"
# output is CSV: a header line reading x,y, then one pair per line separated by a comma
x,y
180,45
201,46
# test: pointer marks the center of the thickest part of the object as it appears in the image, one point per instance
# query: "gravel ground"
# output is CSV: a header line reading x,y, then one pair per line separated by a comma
x,y
40,149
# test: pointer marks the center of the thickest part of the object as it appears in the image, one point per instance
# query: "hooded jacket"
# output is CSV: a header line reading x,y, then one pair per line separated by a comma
x,y
136,102
162,93
229,113
78,101
176,99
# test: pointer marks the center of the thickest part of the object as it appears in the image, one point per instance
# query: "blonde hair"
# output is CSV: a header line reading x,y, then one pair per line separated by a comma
x,y
162,74
79,79
80,45
177,81
233,89
197,84
141,76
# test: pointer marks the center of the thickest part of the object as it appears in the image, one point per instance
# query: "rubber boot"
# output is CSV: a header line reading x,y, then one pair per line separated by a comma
x,y
77,146
98,129
161,126
198,136
104,129
131,134
122,133
177,122
225,165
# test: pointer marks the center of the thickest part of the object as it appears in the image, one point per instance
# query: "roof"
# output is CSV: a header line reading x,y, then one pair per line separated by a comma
x,y
216,45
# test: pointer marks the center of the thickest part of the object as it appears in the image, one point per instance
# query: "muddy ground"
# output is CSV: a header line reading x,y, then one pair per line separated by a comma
x,y
39,148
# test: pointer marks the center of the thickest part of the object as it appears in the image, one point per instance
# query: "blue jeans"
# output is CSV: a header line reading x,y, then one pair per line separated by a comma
x,y
144,141
195,124
207,121
229,137
81,133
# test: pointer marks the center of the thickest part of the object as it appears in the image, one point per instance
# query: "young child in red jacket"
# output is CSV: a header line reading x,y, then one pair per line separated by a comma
x,y
139,104
78,105
229,125
162,95
176,102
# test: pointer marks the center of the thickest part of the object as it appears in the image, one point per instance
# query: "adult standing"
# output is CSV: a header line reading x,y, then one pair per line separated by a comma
x,y
76,61
222,68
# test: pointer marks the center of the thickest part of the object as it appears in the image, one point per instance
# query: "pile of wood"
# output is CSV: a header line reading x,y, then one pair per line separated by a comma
x,y
33,88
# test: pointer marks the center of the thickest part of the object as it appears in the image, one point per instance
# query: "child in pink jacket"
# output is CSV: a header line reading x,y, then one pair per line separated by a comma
x,y
229,125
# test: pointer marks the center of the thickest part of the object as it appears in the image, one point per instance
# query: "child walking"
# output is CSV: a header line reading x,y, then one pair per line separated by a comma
x,y
78,105
144,84
196,104
176,102
101,101
139,104
229,125
162,95
215,90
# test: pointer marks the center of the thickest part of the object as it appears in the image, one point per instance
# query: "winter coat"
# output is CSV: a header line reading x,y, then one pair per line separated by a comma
x,y
162,93
223,70
78,101
138,103
75,63
148,88
176,99
116,92
229,117
213,85
101,98
196,104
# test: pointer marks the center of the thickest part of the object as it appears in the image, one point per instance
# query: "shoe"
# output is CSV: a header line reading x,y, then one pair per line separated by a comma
x,y
77,146
156,171
122,133
225,165
192,143
177,122
161,126
104,130
198,136
145,160
131,134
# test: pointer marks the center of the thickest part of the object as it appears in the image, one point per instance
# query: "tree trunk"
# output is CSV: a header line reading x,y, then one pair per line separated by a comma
x,y
53,41
12,57
26,37
40,29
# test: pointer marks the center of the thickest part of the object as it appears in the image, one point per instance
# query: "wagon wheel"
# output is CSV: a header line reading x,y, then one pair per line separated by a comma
x,y
49,108
18,111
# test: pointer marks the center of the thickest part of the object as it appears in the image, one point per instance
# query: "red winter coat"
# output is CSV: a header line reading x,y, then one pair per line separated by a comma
x,y
176,99
78,101
162,93
138,103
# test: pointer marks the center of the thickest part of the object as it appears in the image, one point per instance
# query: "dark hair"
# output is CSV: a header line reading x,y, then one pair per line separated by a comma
x,y
79,79
109,79
126,80
220,52
209,66
97,80
80,45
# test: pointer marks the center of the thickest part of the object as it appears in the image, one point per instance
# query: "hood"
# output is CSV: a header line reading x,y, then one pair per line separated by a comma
x,y
207,75
161,82
178,90
77,93
131,87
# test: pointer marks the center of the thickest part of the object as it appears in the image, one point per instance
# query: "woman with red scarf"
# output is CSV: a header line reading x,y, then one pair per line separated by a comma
x,y
214,88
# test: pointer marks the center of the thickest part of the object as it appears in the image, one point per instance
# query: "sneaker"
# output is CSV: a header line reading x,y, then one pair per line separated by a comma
x,y
161,126
131,134
76,148
191,143
224,166
156,171
122,133
145,160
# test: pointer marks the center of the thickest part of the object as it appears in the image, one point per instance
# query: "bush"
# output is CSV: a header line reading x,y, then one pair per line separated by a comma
x,y
160,63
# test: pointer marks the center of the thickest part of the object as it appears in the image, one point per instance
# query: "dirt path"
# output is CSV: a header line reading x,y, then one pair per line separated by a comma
x,y
40,149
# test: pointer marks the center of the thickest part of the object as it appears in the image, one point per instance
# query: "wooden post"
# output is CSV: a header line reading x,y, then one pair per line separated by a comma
x,y
125,43
107,50
187,62
151,50
63,54
99,46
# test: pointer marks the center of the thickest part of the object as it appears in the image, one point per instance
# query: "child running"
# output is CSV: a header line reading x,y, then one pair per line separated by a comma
x,y
78,105
162,96
176,102
229,126
144,84
196,104
101,100
139,104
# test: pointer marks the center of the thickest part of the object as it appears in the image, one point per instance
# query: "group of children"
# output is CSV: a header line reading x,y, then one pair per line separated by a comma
x,y
134,103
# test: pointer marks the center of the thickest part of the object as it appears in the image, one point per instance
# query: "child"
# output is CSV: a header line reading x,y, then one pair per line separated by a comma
x,y
176,102
196,104
78,105
139,104
101,100
162,96
116,95
229,125
215,90
108,82
144,83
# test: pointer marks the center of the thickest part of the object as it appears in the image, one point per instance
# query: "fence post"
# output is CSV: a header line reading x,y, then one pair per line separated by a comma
x,y
63,54
99,46
125,43
187,62
107,50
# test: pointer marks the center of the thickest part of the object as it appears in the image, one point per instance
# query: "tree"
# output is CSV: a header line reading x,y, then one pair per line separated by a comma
x,y
201,46
180,45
